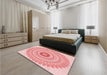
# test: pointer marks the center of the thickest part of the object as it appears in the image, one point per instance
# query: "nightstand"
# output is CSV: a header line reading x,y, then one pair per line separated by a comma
x,y
91,39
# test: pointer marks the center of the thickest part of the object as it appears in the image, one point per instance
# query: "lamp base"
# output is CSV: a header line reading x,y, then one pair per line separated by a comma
x,y
90,31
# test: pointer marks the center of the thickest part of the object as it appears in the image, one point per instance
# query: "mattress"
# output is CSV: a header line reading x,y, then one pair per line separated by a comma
x,y
67,38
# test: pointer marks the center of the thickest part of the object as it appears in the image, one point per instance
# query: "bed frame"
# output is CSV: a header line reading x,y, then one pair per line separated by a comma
x,y
72,48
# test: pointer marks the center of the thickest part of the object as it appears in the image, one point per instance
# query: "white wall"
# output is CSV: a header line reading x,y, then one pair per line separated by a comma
x,y
55,20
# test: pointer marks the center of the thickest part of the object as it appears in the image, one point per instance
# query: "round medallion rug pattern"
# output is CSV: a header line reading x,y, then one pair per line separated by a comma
x,y
47,57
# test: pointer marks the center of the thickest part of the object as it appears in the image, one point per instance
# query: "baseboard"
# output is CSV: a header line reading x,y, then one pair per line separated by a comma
x,y
102,49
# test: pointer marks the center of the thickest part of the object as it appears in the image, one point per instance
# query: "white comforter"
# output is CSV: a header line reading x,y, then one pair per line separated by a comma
x,y
74,37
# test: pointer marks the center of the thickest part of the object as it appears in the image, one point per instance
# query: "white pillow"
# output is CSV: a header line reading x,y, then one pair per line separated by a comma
x,y
66,31
74,31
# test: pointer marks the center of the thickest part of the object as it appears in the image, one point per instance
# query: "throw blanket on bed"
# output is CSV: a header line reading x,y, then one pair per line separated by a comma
x,y
67,38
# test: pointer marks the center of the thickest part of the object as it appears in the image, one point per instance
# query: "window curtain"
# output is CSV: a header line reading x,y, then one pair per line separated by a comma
x,y
55,20
87,15
90,16
13,15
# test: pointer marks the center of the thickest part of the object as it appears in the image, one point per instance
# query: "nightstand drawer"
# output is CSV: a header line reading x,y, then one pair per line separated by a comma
x,y
87,40
94,37
94,41
87,37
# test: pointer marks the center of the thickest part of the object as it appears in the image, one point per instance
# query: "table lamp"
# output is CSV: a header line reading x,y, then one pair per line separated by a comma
x,y
90,28
55,28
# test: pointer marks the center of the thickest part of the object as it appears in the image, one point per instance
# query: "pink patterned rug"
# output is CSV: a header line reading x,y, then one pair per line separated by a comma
x,y
54,62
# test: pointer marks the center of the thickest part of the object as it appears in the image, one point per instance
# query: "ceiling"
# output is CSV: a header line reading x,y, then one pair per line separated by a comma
x,y
39,4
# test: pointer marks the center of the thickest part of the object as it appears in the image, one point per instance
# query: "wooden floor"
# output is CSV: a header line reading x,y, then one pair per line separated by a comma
x,y
90,60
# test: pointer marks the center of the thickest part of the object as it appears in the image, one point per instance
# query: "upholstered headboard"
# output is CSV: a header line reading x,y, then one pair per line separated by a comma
x,y
80,31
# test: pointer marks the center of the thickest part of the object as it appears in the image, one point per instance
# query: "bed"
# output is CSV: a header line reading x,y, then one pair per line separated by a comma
x,y
63,44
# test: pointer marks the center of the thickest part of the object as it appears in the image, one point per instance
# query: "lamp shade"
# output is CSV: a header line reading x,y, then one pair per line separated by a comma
x,y
90,27
55,27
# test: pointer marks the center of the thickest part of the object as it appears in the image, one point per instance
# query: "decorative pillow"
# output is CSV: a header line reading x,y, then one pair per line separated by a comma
x,y
74,31
66,31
